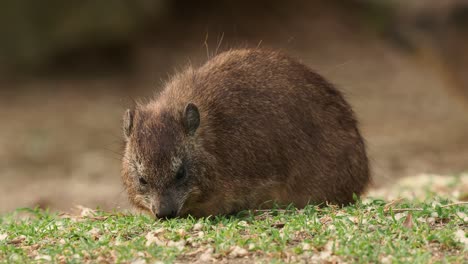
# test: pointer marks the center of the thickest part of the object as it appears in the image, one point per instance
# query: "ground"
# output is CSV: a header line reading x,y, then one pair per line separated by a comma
x,y
61,143
427,223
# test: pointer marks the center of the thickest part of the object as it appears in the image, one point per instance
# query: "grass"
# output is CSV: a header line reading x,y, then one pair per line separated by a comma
x,y
417,230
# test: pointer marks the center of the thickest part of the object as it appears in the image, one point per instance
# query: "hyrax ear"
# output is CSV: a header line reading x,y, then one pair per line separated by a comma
x,y
191,118
128,122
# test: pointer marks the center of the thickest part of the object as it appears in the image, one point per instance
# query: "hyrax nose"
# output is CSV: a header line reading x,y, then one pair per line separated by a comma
x,y
163,211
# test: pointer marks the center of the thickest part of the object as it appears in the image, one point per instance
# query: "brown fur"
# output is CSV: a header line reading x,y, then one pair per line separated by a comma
x,y
270,130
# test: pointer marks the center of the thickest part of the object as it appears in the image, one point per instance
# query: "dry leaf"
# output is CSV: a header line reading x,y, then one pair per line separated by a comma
x,y
251,246
461,237
43,257
17,240
197,227
399,216
325,219
207,256
306,246
95,233
151,238
139,261
278,225
178,244
386,259
85,211
408,223
238,252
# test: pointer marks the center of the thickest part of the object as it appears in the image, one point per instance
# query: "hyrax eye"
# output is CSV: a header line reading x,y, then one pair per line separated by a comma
x,y
142,181
180,173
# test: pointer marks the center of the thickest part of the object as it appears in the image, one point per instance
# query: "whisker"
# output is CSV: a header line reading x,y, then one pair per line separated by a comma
x,y
205,43
219,43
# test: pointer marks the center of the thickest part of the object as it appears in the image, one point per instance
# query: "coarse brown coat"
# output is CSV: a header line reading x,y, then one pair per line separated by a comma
x,y
248,128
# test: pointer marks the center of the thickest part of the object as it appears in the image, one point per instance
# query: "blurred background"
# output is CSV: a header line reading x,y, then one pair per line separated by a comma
x,y
69,69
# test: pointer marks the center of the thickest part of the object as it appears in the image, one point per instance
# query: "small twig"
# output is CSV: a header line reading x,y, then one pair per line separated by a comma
x,y
274,210
454,204
196,252
404,210
420,209
268,210
387,206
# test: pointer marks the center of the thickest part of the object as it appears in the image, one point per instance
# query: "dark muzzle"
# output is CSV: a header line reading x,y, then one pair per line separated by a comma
x,y
165,209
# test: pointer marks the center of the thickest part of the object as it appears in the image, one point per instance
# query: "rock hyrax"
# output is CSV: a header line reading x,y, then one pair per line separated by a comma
x,y
247,129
